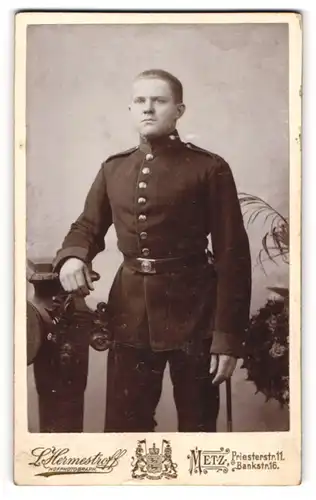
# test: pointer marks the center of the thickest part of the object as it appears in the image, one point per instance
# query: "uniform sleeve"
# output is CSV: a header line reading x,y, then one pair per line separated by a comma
x,y
232,261
85,238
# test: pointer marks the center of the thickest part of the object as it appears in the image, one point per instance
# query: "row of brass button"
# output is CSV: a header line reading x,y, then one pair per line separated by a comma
x,y
142,200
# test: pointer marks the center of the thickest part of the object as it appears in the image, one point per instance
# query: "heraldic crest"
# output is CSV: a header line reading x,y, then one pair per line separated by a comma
x,y
153,463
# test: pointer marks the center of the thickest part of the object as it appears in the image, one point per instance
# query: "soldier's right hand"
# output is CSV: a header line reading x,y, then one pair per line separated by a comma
x,y
74,275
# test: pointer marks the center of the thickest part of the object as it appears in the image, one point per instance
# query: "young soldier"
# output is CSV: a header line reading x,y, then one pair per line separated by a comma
x,y
167,302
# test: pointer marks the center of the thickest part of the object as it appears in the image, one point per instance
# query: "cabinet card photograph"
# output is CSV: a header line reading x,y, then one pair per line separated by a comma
x,y
157,248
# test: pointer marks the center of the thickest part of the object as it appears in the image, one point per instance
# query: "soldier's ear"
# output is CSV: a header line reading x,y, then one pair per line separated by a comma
x,y
181,109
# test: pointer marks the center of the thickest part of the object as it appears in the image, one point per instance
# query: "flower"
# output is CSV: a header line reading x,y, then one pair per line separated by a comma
x,y
277,350
266,350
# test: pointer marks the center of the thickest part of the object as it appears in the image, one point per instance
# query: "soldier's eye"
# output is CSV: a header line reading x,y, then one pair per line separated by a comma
x,y
139,100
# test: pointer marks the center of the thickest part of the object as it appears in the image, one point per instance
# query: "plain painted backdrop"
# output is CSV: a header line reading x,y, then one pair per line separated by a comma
x,y
235,80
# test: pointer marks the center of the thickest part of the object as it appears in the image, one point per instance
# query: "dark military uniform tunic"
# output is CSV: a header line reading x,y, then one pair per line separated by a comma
x,y
165,198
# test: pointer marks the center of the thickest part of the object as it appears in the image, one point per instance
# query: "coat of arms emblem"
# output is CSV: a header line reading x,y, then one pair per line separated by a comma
x,y
154,463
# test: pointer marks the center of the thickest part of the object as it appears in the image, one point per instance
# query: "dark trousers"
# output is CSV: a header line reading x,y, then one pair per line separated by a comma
x,y
134,383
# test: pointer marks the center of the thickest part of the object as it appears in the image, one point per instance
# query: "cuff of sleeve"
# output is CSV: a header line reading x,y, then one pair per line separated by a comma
x,y
226,343
66,253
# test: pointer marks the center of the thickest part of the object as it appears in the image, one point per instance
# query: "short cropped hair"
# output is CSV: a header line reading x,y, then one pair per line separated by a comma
x,y
175,84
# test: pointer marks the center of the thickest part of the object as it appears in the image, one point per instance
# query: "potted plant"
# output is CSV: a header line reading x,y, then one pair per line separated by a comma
x,y
266,345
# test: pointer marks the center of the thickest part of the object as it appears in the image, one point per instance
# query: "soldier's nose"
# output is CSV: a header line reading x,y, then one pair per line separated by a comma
x,y
148,107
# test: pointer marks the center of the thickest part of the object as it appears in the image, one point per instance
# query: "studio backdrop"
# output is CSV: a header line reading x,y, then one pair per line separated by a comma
x,y
235,79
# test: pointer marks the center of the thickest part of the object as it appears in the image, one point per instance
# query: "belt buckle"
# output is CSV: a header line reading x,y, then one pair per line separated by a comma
x,y
147,265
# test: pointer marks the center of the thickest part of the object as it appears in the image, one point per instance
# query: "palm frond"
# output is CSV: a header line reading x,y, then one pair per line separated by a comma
x,y
255,214
275,242
248,199
267,259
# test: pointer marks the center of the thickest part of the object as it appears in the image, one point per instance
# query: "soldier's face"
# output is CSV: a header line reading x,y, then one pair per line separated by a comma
x,y
153,108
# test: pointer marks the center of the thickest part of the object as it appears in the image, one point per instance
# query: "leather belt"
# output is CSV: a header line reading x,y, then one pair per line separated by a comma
x,y
159,266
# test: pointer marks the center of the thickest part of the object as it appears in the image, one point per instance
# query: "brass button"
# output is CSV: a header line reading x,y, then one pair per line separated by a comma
x,y
143,235
146,170
141,200
149,157
142,185
142,217
145,252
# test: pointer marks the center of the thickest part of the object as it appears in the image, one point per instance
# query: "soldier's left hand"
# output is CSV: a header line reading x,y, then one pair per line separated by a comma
x,y
222,366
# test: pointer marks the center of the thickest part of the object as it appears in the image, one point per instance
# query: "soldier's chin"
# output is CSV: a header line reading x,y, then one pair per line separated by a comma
x,y
150,130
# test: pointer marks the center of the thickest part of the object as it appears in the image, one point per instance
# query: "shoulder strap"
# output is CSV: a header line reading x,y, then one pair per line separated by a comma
x,y
122,153
192,146
217,158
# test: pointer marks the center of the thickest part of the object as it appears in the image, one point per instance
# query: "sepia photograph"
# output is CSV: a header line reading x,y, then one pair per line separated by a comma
x,y
157,264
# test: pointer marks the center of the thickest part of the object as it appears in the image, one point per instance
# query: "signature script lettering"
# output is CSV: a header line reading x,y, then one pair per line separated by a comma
x,y
49,458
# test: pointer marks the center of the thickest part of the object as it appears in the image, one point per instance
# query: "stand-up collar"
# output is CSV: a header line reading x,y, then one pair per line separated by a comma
x,y
160,144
